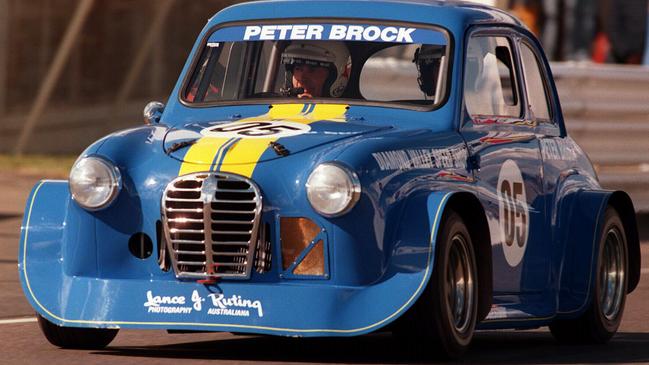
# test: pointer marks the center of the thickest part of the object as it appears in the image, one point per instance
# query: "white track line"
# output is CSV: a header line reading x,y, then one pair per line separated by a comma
x,y
17,320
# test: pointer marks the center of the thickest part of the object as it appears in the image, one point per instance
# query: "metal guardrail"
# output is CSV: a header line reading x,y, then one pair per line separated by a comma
x,y
601,71
606,109
602,92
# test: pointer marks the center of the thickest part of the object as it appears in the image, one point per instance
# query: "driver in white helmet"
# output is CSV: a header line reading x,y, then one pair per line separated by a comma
x,y
316,69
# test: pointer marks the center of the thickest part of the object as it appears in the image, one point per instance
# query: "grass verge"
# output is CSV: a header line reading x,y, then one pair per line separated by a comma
x,y
42,166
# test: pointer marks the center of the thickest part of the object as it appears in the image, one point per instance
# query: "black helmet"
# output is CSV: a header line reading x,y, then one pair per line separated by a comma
x,y
428,59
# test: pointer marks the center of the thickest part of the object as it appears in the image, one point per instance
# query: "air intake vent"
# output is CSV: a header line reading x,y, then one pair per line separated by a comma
x,y
211,223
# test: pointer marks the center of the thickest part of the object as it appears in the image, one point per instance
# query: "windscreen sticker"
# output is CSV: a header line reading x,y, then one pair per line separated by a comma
x,y
256,129
329,32
514,212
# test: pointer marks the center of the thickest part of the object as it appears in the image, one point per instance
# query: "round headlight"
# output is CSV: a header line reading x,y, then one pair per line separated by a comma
x,y
94,182
332,189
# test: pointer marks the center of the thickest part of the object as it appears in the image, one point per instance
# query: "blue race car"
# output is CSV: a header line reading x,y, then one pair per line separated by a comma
x,y
334,168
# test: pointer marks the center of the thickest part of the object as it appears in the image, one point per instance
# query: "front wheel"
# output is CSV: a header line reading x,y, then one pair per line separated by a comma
x,y
443,319
602,318
74,337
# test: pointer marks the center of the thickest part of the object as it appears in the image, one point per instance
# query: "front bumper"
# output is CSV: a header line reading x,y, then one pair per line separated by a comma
x,y
281,307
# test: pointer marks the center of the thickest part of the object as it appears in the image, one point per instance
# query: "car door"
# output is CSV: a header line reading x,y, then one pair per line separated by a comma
x,y
504,151
562,157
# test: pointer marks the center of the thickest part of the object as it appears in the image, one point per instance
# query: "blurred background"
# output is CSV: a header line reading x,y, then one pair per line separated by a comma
x,y
72,71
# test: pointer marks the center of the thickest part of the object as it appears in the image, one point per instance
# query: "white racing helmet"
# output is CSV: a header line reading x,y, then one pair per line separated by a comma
x,y
330,54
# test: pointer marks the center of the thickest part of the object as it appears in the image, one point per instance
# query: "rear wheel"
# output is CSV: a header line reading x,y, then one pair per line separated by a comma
x,y
602,319
76,338
443,320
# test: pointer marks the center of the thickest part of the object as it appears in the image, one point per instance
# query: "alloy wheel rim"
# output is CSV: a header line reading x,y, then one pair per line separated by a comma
x,y
611,272
459,284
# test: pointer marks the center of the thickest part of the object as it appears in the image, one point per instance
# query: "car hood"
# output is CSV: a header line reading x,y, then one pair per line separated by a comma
x,y
259,139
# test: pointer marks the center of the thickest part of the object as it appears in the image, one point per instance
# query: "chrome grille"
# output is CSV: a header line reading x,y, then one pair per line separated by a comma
x,y
211,224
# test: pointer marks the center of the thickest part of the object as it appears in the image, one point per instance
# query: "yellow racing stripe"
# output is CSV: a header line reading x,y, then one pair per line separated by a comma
x,y
331,112
242,157
201,154
238,158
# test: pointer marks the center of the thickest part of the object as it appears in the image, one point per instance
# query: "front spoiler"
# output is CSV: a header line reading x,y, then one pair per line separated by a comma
x,y
282,308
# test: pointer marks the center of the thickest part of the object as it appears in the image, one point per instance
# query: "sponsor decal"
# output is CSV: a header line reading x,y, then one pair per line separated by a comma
x,y
256,129
514,212
328,32
559,149
423,158
217,304
167,304
234,306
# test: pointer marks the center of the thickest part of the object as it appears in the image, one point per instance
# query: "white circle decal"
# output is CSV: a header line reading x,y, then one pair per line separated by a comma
x,y
514,212
256,129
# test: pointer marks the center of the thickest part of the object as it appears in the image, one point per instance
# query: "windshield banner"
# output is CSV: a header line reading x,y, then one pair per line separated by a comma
x,y
329,32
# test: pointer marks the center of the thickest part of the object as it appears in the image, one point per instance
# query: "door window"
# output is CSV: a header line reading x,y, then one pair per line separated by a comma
x,y
490,86
536,89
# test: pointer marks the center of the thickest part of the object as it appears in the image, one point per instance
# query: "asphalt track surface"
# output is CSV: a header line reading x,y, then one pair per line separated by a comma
x,y
22,343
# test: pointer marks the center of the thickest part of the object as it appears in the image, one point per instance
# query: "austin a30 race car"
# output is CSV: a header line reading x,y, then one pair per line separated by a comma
x,y
334,168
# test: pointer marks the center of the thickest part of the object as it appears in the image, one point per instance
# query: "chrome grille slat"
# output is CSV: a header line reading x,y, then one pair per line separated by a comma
x,y
180,230
197,190
186,210
228,264
210,225
180,252
231,243
181,200
233,254
188,242
191,263
221,190
185,220
232,222
233,212
226,201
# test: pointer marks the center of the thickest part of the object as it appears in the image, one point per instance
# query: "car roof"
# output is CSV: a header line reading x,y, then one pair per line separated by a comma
x,y
454,15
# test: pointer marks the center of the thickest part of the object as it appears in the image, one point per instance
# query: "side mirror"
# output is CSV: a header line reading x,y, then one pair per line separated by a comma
x,y
153,112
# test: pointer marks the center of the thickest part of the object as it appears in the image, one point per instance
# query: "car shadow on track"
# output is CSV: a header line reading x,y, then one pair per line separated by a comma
x,y
506,347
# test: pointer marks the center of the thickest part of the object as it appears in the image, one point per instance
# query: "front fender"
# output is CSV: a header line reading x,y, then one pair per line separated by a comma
x,y
416,232
44,225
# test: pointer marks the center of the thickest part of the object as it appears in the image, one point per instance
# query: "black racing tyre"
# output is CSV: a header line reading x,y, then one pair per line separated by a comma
x,y
443,320
602,318
74,337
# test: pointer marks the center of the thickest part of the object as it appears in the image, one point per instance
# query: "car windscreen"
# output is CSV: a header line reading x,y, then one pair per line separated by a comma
x,y
350,63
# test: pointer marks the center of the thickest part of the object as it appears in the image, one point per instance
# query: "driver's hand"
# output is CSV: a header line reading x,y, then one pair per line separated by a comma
x,y
305,95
